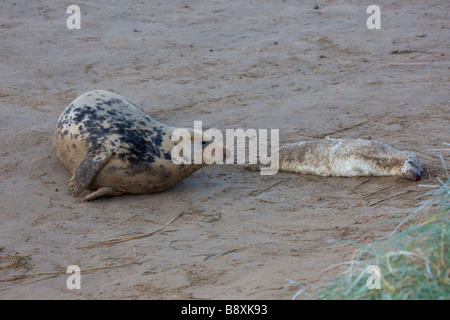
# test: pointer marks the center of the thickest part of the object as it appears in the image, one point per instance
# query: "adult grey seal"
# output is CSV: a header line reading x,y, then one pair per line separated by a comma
x,y
111,146
348,158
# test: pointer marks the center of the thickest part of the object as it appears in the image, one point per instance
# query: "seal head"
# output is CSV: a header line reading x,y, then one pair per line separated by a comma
x,y
412,169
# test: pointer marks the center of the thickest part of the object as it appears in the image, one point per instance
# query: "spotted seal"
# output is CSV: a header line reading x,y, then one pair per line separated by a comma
x,y
348,158
111,146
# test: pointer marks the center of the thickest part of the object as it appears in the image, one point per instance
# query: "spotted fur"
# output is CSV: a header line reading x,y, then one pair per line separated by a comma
x,y
112,146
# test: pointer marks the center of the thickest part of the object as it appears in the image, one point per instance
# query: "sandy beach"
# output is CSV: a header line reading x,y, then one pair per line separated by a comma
x,y
309,69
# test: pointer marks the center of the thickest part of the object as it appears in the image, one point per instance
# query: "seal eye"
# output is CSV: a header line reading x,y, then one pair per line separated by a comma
x,y
412,163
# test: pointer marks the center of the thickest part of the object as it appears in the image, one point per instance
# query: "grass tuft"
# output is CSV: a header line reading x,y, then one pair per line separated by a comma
x,y
413,263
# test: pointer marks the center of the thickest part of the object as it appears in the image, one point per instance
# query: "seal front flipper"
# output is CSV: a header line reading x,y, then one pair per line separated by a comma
x,y
87,170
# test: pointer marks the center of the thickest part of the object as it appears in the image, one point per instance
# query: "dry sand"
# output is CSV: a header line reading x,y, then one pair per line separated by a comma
x,y
232,64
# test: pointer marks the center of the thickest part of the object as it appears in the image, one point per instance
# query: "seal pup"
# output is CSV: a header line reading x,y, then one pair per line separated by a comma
x,y
348,158
111,146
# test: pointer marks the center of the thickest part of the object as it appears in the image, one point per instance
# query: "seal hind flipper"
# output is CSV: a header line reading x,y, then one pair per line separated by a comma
x,y
102,192
86,171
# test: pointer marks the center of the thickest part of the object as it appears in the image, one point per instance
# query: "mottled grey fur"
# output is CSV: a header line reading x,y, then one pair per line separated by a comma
x,y
112,146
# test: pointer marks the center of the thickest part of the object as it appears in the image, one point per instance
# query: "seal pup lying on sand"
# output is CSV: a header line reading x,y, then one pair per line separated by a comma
x,y
348,158
110,145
